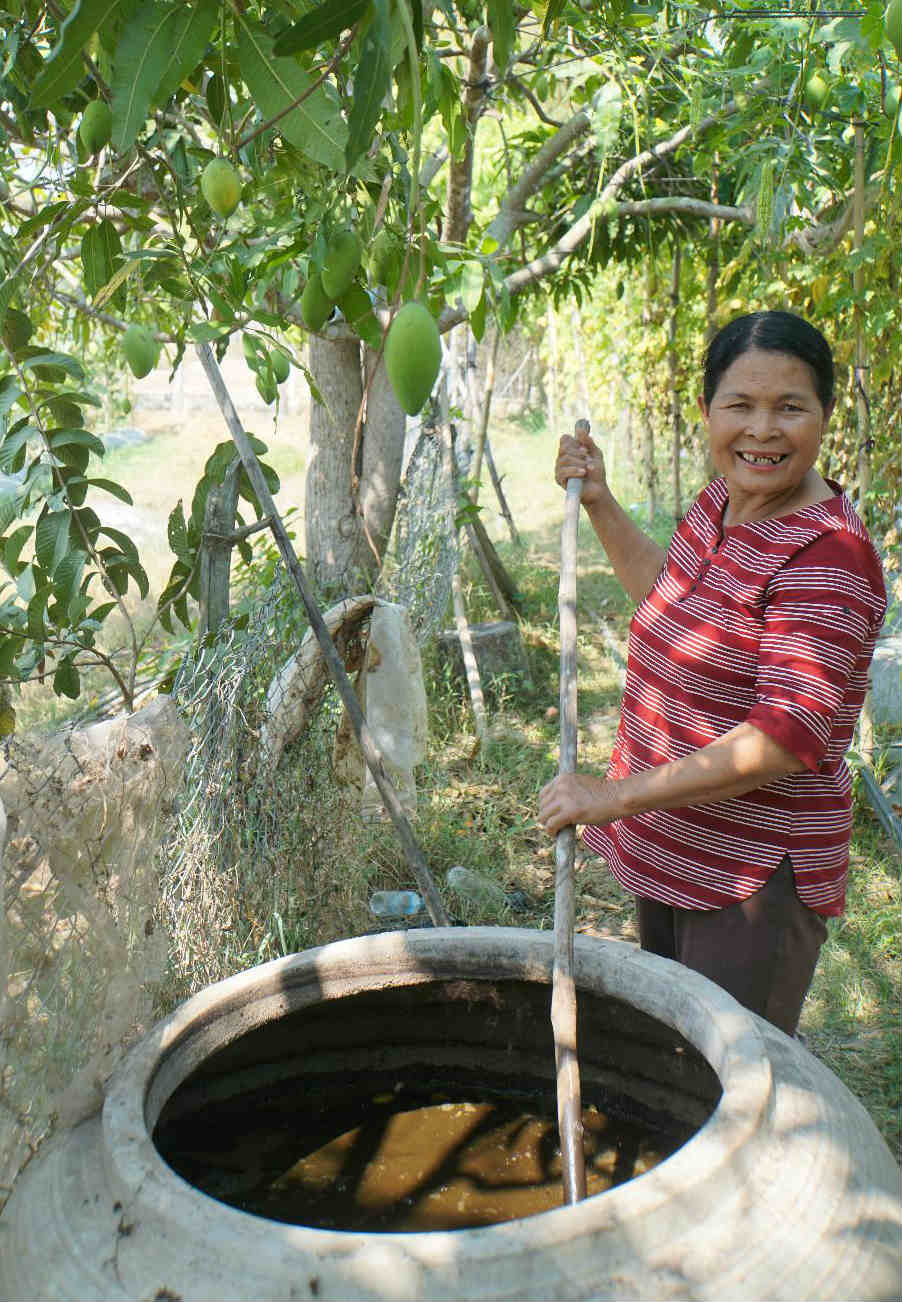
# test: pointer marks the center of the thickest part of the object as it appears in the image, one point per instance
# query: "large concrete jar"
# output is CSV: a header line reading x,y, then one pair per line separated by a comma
x,y
784,1191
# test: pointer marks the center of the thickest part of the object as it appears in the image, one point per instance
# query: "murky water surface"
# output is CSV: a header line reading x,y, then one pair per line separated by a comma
x,y
401,1160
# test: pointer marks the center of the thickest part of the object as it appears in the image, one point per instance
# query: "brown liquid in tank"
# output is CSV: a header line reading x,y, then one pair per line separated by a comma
x,y
414,1163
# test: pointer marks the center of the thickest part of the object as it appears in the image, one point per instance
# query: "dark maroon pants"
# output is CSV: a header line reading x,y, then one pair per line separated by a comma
x,y
762,950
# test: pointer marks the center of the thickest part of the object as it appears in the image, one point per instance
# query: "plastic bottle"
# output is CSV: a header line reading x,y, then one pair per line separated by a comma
x,y
476,887
395,904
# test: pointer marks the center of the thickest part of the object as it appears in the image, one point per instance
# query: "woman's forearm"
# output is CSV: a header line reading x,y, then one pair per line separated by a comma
x,y
742,760
636,559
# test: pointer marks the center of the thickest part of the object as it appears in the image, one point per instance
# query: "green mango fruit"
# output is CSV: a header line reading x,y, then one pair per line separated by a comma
x,y
413,355
892,25
17,329
221,186
141,350
341,262
96,126
280,364
357,310
816,90
266,390
315,304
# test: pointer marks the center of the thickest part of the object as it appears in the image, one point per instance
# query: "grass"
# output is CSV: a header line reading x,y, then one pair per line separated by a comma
x,y
310,883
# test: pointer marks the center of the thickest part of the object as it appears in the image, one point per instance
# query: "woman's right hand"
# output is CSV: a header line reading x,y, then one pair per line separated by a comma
x,y
579,458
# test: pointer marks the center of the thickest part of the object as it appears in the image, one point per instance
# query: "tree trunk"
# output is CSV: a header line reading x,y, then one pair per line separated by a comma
x,y
338,557
216,551
383,451
346,539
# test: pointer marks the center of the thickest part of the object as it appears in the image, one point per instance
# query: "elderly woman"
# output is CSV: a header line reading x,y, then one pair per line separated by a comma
x,y
726,807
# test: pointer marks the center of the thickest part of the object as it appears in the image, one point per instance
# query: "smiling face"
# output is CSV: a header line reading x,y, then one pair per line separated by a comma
x,y
765,423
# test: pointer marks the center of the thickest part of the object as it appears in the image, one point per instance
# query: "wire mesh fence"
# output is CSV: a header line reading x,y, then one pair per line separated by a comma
x,y
149,856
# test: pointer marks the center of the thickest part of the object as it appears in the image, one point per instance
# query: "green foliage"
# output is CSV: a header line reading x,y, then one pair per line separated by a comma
x,y
186,535
67,570
602,137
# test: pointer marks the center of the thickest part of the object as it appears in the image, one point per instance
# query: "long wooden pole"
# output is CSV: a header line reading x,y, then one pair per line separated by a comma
x,y
563,996
371,753
862,406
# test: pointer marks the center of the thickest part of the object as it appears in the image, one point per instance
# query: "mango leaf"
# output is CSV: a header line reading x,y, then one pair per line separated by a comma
x,y
109,289
416,14
158,47
36,608
322,24
371,81
7,289
122,541
177,532
75,484
138,573
189,33
67,576
66,681
73,455
477,319
204,332
9,392
500,14
316,126
59,438
64,68
552,13
12,452
10,503
51,539
99,613
606,112
471,283
13,545
48,215
60,361
110,486
25,584
101,251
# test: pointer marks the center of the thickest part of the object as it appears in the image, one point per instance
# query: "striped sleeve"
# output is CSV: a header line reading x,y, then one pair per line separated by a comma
x,y
823,610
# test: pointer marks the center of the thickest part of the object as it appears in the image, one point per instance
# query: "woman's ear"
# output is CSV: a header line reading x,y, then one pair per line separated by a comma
x,y
703,407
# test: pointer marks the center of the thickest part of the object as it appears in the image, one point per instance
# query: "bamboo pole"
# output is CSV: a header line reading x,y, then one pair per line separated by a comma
x,y
563,997
675,412
461,623
371,753
862,406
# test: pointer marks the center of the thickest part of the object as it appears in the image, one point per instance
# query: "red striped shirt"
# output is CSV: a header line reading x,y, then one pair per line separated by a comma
x,y
771,623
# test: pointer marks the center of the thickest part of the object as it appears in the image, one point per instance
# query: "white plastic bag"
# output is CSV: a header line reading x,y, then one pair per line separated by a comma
x,y
394,702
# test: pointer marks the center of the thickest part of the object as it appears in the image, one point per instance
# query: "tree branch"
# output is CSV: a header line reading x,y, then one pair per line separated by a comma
x,y
460,174
503,226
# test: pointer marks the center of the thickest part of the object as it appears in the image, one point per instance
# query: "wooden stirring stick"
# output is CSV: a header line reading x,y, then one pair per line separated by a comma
x,y
563,996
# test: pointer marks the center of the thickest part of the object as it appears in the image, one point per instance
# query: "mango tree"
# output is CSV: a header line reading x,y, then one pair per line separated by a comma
x,y
476,156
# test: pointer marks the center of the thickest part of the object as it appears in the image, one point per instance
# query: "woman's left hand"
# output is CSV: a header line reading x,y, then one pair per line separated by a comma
x,y
573,798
